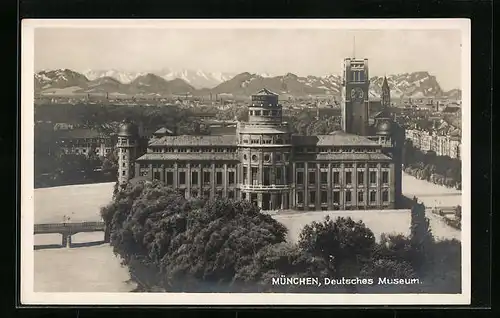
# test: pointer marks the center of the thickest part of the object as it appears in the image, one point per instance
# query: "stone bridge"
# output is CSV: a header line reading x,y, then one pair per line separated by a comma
x,y
69,229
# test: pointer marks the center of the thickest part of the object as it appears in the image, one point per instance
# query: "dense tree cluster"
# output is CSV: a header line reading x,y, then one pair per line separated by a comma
x,y
174,244
441,170
54,168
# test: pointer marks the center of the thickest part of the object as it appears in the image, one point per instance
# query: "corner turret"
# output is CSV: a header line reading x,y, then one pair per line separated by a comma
x,y
128,137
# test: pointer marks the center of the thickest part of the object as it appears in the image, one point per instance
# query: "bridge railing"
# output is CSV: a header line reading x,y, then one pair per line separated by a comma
x,y
69,226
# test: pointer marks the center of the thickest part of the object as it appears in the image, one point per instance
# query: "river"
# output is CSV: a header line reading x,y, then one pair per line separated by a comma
x,y
96,269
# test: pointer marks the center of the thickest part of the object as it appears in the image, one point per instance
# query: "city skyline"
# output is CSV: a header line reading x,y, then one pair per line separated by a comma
x,y
320,51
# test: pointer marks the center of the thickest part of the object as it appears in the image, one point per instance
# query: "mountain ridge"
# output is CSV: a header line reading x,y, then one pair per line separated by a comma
x,y
419,84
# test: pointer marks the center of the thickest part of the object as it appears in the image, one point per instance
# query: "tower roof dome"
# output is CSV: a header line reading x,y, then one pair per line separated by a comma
x,y
128,129
384,128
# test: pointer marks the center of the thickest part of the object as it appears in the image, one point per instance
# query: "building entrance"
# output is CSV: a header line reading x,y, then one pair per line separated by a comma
x,y
266,201
253,198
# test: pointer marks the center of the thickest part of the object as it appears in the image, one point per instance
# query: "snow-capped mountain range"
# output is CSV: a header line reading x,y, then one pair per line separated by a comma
x,y
167,81
196,78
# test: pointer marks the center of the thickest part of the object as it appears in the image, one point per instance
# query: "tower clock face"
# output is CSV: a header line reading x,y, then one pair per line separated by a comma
x,y
357,93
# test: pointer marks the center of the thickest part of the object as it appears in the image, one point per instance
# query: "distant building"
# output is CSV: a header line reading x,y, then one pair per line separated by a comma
x,y
451,109
444,142
264,162
85,141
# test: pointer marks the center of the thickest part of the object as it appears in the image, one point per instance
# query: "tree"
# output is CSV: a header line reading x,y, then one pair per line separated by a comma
x,y
273,261
393,247
345,243
446,273
421,238
184,244
388,268
222,237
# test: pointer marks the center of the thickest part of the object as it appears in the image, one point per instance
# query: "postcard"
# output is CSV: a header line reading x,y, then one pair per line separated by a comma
x,y
245,162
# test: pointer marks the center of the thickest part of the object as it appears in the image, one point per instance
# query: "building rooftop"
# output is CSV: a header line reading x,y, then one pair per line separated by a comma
x,y
335,138
265,92
382,114
229,156
163,130
456,133
189,140
451,109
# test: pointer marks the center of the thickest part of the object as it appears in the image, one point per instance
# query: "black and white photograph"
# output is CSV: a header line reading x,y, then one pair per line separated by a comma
x,y
245,162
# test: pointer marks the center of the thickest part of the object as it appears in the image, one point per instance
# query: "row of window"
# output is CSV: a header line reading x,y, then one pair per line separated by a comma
x,y
267,157
206,194
312,176
264,141
372,177
125,141
278,157
84,150
185,165
357,76
191,150
372,197
300,165
272,113
267,177
85,140
206,177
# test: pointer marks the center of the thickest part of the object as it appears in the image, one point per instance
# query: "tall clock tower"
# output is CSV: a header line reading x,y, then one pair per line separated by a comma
x,y
355,102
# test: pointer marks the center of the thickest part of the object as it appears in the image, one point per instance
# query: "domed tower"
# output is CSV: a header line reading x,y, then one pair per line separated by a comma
x,y
391,136
384,128
264,146
128,137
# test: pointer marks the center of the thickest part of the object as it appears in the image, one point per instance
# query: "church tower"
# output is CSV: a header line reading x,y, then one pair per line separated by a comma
x,y
355,102
386,94
128,137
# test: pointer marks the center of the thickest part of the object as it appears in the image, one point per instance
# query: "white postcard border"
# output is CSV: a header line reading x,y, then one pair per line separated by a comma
x,y
29,297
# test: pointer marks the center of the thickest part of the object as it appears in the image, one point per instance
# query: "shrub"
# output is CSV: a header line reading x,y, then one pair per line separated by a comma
x,y
345,243
281,259
388,268
186,244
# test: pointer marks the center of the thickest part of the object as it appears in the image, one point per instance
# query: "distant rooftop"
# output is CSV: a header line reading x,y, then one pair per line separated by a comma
x,y
164,130
189,140
265,92
382,114
335,138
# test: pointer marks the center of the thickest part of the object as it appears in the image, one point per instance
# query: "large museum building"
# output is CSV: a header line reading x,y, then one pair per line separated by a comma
x,y
264,162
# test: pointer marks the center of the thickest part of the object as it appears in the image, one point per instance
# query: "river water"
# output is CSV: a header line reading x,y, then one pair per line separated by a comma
x,y
94,268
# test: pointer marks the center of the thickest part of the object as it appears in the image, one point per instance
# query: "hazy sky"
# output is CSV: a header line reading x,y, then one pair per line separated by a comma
x,y
274,51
